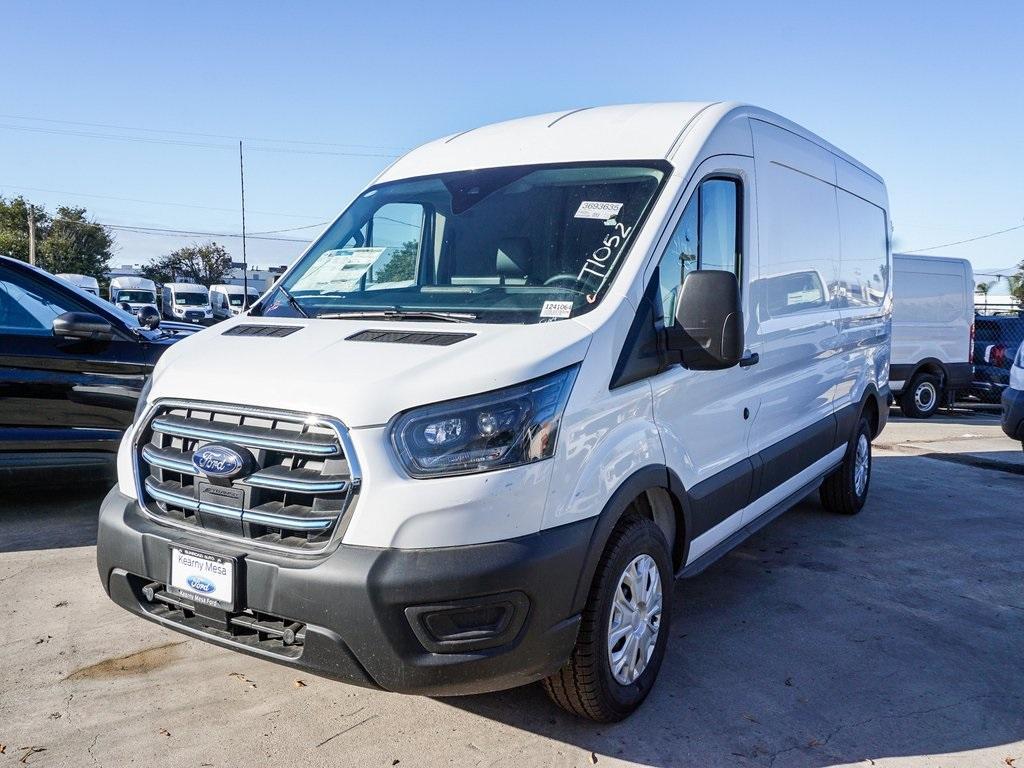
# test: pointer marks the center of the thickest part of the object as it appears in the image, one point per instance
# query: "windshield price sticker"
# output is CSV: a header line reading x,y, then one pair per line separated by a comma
x,y
558,309
596,209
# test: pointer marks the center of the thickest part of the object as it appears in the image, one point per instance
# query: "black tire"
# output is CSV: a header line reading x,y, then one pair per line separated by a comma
x,y
923,397
839,491
586,685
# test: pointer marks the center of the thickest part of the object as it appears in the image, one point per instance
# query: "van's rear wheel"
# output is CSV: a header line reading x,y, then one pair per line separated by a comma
x,y
624,630
923,397
846,489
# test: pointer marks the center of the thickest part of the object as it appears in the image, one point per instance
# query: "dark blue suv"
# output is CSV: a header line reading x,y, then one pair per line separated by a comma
x,y
996,341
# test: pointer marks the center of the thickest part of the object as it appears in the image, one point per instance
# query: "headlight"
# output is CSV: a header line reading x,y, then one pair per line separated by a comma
x,y
143,396
504,428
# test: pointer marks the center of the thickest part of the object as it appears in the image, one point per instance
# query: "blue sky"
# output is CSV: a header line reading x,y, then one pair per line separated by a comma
x,y
931,95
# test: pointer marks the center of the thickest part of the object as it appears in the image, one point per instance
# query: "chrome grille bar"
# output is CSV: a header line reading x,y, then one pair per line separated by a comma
x,y
169,458
254,437
160,492
297,481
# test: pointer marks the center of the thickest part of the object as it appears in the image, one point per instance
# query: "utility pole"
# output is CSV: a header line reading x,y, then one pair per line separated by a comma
x,y
245,261
32,235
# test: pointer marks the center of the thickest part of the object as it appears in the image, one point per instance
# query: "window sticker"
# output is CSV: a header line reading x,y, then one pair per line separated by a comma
x,y
339,269
596,209
559,309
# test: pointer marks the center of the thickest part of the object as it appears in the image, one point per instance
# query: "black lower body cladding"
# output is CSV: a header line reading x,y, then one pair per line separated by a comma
x,y
511,603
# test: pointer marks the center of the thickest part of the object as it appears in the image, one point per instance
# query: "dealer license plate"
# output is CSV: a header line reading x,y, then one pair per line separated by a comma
x,y
203,578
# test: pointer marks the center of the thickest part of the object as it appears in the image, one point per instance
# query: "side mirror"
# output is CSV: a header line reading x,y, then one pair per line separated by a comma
x,y
149,318
708,331
82,325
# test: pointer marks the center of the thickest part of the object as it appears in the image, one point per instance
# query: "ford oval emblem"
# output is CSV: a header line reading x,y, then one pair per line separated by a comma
x,y
199,584
215,460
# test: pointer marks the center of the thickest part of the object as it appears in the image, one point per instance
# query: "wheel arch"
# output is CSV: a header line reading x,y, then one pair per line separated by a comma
x,y
930,365
657,493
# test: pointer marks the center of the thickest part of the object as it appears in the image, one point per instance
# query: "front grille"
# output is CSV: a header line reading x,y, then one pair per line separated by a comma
x,y
298,483
194,314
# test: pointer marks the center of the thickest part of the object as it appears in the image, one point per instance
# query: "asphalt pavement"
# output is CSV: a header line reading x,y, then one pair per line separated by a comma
x,y
893,638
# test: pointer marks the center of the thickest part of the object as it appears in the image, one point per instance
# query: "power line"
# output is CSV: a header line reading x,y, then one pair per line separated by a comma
x,y
182,232
196,133
181,143
161,202
968,240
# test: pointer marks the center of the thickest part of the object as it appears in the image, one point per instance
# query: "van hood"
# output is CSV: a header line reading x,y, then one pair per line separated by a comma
x,y
319,369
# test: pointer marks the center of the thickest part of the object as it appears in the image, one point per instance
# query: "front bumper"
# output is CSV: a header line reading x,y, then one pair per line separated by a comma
x,y
1013,413
364,609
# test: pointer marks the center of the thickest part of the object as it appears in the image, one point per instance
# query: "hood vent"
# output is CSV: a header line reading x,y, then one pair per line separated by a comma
x,y
276,331
411,337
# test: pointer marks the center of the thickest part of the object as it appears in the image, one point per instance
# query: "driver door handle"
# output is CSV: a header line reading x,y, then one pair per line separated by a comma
x,y
749,359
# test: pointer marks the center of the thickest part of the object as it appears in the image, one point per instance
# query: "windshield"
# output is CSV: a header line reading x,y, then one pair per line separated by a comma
x,y
235,299
190,299
136,297
503,245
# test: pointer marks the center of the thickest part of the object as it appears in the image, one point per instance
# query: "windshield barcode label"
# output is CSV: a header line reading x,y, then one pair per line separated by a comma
x,y
595,209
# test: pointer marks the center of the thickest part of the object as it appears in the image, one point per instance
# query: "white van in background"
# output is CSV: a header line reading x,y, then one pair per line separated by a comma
x,y
932,331
85,282
139,293
230,300
187,302
602,347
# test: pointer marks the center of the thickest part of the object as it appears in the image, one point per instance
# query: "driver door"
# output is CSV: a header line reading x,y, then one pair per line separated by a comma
x,y
61,393
705,416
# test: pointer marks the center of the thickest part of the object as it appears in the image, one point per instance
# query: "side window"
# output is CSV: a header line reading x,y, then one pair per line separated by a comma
x,y
704,238
863,257
396,232
29,307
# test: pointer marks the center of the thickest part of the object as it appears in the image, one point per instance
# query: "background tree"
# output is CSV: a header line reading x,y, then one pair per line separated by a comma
x,y
75,244
162,270
14,227
402,265
1017,284
205,264
65,242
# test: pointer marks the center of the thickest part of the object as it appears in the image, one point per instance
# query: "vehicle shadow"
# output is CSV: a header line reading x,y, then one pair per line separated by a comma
x,y
52,510
827,640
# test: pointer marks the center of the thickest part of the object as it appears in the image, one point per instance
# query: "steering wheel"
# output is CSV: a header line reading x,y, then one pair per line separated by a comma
x,y
564,278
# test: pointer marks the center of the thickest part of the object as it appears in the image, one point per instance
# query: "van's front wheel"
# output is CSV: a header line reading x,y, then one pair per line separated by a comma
x,y
624,629
846,489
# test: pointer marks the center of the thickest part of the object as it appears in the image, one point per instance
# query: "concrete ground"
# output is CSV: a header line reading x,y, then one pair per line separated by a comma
x,y
895,637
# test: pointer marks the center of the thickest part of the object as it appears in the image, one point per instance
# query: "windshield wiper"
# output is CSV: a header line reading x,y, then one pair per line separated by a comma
x,y
293,301
401,314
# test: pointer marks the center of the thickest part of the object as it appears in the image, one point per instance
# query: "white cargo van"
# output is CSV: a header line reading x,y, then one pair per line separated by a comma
x,y
230,300
932,331
139,293
186,301
593,352
85,282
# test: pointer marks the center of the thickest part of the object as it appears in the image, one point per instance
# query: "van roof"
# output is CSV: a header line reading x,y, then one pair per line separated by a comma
x,y
229,288
131,281
651,131
184,286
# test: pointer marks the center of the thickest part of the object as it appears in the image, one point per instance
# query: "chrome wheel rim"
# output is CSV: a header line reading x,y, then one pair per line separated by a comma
x,y
635,619
925,396
861,465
